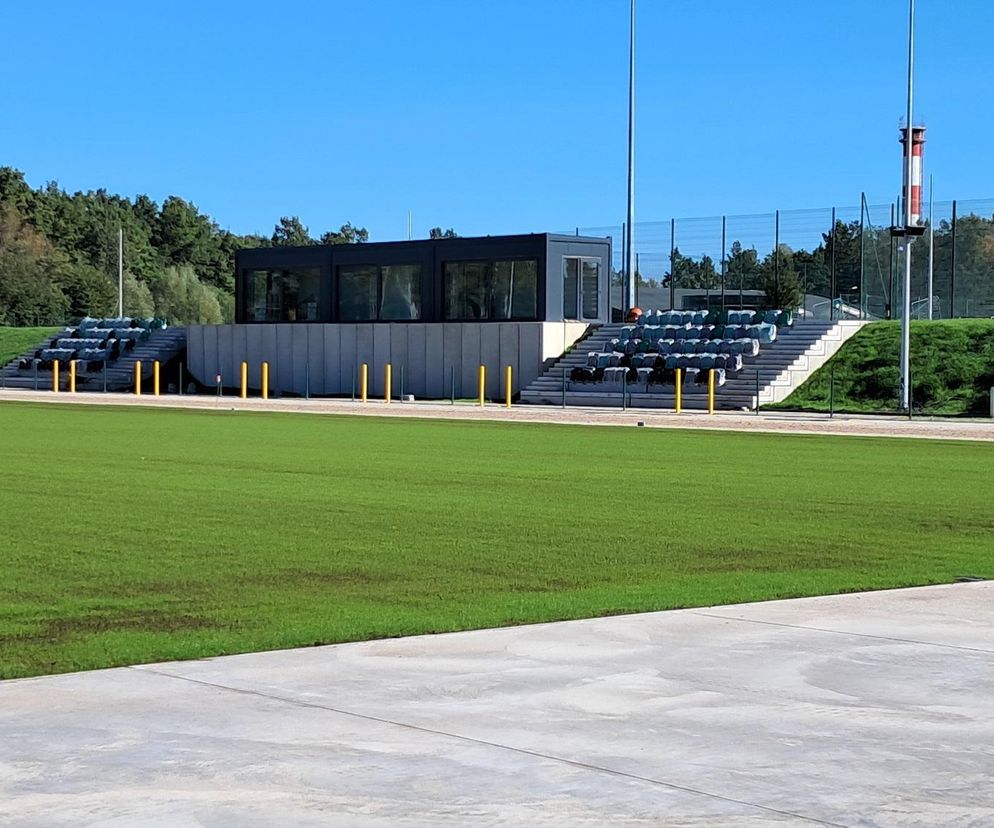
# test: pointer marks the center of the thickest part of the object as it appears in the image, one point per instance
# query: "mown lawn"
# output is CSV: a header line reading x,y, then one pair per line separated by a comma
x,y
952,370
135,535
15,341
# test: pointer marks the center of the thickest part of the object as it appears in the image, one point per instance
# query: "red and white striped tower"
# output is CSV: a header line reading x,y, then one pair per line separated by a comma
x,y
916,167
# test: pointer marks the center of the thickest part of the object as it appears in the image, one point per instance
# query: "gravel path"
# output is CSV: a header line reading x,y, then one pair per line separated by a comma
x,y
780,421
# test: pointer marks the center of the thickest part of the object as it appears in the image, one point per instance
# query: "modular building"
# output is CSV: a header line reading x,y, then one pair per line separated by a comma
x,y
435,310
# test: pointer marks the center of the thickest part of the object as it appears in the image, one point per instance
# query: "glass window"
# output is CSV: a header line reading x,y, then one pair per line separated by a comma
x,y
590,280
571,280
358,293
400,292
283,295
515,290
256,294
467,290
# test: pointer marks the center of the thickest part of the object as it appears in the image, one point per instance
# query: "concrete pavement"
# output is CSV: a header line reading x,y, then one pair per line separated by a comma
x,y
872,709
795,422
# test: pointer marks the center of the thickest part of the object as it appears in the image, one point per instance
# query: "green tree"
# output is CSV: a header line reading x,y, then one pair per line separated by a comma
x,y
183,299
346,234
779,280
439,233
741,268
291,232
693,273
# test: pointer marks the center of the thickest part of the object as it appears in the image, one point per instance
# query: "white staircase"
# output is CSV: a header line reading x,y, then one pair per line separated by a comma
x,y
783,365
779,368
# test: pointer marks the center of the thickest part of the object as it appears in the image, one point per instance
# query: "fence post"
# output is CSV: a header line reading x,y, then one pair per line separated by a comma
x,y
36,375
723,242
388,383
364,382
889,314
72,376
911,400
678,390
952,267
105,376
564,387
180,380
482,383
710,390
265,380
757,392
624,391
672,257
155,378
138,377
831,392
776,256
834,288
507,386
862,255
401,397
353,383
452,384
55,376
243,391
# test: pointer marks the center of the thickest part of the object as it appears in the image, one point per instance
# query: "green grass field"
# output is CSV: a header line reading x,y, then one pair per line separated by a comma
x,y
135,535
15,341
952,370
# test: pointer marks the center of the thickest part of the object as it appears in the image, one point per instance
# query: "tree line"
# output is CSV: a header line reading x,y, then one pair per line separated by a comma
x,y
58,255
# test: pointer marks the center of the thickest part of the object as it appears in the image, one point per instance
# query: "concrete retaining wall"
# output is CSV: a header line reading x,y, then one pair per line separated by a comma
x,y
428,353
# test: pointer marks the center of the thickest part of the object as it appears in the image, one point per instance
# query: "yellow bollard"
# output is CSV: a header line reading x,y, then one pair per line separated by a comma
x,y
507,385
364,382
55,376
483,383
244,390
72,376
388,383
711,391
155,378
138,377
265,380
678,401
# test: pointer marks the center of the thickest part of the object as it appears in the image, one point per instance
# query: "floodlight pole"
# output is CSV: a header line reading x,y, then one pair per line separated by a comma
x,y
908,160
630,255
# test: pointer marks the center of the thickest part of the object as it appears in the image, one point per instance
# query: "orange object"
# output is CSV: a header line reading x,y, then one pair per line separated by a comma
x,y
633,315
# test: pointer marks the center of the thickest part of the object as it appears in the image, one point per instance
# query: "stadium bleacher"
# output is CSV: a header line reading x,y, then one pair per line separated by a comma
x,y
649,351
95,342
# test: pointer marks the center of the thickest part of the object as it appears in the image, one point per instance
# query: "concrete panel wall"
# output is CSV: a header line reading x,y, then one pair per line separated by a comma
x,y
334,352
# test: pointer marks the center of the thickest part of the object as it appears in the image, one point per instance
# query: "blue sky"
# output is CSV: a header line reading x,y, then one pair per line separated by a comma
x,y
491,117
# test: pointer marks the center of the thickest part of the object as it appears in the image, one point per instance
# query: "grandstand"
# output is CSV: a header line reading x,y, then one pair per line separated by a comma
x,y
757,357
105,351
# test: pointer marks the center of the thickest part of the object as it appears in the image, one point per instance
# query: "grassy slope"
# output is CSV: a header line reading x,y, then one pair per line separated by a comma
x,y
138,535
952,370
15,341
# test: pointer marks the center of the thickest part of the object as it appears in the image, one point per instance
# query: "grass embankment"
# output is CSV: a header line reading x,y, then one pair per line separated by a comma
x,y
135,535
952,370
15,341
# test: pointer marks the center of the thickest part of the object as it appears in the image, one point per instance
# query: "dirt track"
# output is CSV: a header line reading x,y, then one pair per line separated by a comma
x,y
875,426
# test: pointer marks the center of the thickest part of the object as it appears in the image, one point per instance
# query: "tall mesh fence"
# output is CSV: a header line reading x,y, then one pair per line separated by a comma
x,y
827,263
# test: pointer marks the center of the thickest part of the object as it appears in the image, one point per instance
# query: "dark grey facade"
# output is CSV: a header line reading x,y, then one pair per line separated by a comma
x,y
539,277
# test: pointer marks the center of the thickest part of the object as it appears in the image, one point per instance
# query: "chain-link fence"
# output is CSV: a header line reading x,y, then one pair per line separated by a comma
x,y
829,263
